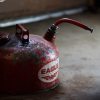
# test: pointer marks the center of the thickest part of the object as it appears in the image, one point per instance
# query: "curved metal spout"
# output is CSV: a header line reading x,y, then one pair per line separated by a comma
x,y
50,35
74,22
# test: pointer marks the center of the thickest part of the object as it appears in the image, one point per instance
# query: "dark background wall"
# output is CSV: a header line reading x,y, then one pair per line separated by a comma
x,y
20,8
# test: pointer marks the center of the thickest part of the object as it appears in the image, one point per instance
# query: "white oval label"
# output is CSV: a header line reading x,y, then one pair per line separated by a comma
x,y
49,72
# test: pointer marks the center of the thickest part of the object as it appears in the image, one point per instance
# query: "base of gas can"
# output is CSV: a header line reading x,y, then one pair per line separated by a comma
x,y
46,90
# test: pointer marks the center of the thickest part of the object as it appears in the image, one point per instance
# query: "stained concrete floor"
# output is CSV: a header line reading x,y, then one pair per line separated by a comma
x,y
79,60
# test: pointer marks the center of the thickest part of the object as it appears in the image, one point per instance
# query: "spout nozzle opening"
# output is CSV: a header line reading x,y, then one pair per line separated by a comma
x,y
91,30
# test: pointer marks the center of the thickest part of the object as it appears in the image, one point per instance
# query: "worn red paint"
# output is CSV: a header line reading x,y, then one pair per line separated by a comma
x,y
19,66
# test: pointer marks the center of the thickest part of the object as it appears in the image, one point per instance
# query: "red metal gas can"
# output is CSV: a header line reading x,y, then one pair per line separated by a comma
x,y
30,63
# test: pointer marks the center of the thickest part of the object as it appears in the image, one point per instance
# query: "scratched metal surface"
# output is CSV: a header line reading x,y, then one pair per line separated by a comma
x,y
79,60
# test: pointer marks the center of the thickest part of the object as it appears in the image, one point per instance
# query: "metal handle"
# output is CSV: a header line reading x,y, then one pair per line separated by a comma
x,y
22,33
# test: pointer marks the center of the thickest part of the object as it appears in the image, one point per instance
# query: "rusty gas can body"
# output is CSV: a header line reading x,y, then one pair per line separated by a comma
x,y
28,67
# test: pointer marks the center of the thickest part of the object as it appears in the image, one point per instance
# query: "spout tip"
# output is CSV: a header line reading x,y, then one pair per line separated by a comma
x,y
91,30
